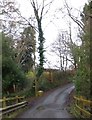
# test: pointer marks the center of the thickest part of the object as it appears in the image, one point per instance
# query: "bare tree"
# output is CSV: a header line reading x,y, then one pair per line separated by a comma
x,y
11,19
74,18
63,47
59,49
39,14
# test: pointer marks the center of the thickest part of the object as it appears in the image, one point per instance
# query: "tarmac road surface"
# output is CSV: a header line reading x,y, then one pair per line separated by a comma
x,y
52,105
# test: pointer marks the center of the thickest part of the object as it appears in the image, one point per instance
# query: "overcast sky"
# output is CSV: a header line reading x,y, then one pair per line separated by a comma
x,y
53,22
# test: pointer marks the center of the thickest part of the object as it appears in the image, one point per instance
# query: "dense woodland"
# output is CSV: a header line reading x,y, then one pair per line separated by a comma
x,y
21,72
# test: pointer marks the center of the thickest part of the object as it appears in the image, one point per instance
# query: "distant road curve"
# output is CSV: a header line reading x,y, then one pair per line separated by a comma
x,y
52,105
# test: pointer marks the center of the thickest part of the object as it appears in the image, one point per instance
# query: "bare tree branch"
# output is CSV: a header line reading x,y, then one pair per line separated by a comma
x,y
79,23
42,10
48,8
28,22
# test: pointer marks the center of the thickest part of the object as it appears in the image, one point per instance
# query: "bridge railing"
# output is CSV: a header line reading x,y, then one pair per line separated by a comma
x,y
9,105
83,107
10,101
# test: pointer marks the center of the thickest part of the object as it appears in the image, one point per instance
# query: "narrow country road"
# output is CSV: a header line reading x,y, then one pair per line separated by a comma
x,y
52,105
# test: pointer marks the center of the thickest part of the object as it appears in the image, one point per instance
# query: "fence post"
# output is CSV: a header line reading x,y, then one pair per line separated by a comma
x,y
16,99
82,103
77,102
4,102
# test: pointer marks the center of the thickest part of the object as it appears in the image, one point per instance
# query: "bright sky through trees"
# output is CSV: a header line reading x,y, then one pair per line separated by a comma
x,y
54,21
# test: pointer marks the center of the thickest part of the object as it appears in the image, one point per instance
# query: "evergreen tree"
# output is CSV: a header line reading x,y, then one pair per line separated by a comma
x,y
25,51
82,78
12,74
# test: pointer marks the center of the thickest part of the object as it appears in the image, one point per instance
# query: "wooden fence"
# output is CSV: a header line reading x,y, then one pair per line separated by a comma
x,y
10,101
83,107
9,105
